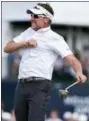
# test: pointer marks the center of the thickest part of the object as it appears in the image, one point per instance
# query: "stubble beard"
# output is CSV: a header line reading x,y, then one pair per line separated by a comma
x,y
35,27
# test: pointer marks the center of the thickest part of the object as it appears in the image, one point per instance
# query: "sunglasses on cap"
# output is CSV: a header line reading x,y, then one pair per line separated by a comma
x,y
37,15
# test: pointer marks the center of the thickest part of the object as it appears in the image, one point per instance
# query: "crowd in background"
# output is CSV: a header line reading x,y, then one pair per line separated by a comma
x,y
53,116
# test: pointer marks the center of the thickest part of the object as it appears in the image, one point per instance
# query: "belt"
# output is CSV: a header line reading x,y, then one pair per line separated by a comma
x,y
25,80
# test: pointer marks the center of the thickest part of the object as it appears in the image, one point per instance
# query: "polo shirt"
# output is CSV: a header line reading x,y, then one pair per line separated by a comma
x,y
39,61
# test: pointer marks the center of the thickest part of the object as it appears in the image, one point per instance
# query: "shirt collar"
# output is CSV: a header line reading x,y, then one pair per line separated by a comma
x,y
44,29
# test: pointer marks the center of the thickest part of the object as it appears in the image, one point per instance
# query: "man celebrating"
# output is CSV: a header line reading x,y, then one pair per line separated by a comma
x,y
41,47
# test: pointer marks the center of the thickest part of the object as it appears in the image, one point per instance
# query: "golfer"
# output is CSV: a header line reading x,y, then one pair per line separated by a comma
x,y
41,46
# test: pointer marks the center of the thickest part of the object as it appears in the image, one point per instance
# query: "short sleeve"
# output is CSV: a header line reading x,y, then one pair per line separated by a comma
x,y
19,38
22,36
60,47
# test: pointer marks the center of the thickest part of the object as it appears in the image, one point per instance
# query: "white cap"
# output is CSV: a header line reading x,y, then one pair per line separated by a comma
x,y
83,117
40,10
67,115
6,116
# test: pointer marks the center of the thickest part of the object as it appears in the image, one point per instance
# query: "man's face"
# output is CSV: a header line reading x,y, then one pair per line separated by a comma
x,y
54,115
38,21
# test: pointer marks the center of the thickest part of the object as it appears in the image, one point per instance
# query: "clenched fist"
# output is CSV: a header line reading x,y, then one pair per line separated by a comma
x,y
31,43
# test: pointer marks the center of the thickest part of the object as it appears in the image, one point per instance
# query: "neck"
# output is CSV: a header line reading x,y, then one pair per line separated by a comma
x,y
36,29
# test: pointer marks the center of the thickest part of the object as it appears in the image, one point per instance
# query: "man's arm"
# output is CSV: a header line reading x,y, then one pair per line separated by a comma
x,y
13,46
74,62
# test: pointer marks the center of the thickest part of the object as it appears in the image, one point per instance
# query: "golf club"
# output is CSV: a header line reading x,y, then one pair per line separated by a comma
x,y
65,91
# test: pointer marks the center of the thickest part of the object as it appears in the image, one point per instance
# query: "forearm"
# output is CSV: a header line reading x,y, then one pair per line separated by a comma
x,y
76,66
12,46
74,62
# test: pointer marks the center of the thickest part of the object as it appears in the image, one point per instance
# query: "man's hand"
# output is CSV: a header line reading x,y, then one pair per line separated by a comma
x,y
31,43
81,78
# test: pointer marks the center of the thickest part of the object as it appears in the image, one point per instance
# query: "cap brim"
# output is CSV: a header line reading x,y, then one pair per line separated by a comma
x,y
34,11
29,12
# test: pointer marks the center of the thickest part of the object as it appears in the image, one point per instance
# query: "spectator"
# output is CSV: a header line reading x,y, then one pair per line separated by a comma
x,y
6,116
75,116
86,66
13,116
85,62
2,106
83,117
54,116
13,64
67,116
63,70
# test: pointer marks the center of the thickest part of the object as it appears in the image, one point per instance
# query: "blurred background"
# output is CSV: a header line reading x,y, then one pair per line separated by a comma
x,y
72,22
